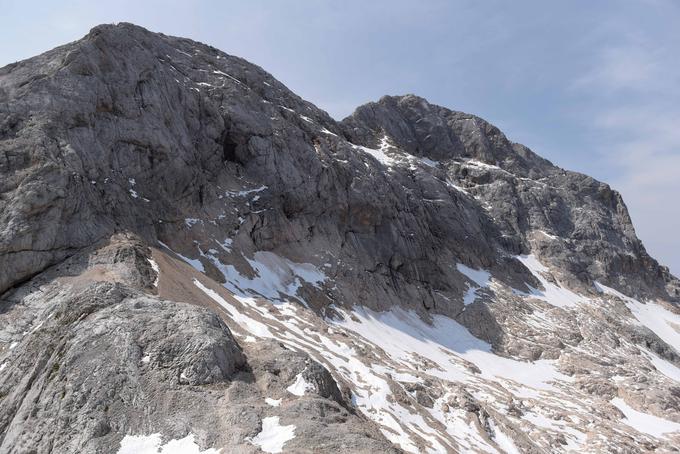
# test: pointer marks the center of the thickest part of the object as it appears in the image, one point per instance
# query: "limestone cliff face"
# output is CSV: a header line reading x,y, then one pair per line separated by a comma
x,y
128,139
584,225
126,130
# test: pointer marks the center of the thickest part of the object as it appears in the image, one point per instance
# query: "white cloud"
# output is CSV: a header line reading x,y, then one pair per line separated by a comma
x,y
617,68
634,112
649,163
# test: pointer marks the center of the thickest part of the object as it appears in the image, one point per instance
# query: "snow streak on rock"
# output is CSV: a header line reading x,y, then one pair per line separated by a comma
x,y
552,293
481,278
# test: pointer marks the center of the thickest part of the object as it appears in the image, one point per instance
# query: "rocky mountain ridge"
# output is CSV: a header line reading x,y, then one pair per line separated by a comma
x,y
141,169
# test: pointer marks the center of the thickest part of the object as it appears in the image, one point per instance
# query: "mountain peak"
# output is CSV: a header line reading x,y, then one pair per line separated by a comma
x,y
436,132
116,27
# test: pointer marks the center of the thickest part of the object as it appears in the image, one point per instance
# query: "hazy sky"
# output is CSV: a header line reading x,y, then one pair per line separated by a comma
x,y
592,86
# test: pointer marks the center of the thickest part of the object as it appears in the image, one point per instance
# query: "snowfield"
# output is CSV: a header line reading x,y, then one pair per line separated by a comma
x,y
382,355
404,336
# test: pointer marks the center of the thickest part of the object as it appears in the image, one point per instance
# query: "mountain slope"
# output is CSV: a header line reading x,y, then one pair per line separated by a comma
x,y
408,266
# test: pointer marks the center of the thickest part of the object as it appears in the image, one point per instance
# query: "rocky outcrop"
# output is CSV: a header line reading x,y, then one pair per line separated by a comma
x,y
96,359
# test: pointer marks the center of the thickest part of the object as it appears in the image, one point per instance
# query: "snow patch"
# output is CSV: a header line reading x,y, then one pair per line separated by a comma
x,y
196,264
300,387
502,440
549,235
272,402
273,435
401,334
274,276
660,320
253,326
152,444
457,188
667,368
378,154
190,222
226,244
326,131
220,73
643,422
444,349
155,267
429,162
484,165
553,294
480,277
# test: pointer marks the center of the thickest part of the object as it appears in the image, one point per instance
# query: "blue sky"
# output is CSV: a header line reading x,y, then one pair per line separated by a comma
x,y
592,86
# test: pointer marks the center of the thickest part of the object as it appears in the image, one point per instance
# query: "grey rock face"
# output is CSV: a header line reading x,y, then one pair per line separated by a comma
x,y
522,192
111,152
128,139
127,159
93,368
